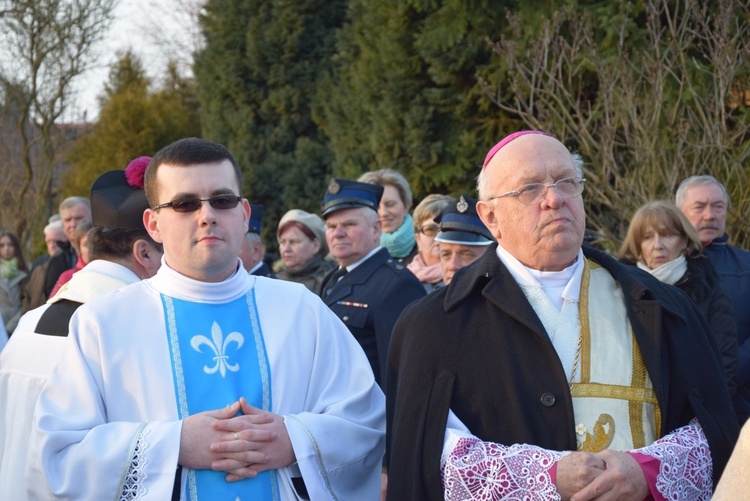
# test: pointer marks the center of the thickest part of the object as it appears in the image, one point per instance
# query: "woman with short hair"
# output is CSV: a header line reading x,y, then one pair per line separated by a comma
x,y
426,263
397,227
661,241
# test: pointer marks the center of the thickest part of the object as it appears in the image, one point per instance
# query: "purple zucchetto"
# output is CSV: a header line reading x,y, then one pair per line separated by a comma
x,y
508,139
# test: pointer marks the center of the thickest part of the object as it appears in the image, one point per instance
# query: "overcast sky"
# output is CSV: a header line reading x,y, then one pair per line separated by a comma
x,y
153,29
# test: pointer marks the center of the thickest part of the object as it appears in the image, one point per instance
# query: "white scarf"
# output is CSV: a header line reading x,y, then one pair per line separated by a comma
x,y
670,272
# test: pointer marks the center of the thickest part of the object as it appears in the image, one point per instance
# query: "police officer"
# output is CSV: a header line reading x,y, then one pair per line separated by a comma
x,y
369,289
462,236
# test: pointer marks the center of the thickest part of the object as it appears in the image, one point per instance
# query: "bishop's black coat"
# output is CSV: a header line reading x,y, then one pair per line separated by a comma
x,y
477,347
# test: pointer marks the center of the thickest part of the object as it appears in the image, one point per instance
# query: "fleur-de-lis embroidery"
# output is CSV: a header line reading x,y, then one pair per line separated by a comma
x,y
219,347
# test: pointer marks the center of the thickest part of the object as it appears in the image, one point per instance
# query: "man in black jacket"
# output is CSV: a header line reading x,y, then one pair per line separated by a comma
x,y
73,210
550,371
705,201
369,289
253,249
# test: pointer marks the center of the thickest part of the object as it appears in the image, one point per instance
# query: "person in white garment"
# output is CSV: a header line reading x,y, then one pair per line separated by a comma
x,y
548,370
205,382
121,253
3,334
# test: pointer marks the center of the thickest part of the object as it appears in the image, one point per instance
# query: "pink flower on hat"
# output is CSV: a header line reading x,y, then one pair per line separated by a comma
x,y
136,170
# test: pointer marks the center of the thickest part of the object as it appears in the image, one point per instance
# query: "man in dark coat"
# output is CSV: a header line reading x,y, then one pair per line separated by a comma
x,y
540,348
704,201
73,210
462,237
369,289
253,248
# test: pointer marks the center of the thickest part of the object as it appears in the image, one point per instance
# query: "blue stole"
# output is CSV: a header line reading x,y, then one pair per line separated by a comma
x,y
218,355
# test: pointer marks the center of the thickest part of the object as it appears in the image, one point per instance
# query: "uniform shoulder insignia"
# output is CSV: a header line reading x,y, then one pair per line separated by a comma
x,y
396,265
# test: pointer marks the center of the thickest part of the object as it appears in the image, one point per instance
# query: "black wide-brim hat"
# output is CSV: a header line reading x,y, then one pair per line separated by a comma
x,y
115,204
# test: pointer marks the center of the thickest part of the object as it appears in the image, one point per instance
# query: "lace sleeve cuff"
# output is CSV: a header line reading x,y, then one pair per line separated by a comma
x,y
678,465
473,469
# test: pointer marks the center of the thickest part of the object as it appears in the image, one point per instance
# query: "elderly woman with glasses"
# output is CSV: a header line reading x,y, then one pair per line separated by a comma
x,y
662,242
426,263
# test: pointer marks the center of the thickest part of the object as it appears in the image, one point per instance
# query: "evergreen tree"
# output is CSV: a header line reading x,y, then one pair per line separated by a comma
x,y
257,77
133,121
405,91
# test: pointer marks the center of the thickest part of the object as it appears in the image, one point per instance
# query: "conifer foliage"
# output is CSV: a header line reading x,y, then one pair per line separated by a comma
x,y
258,78
135,119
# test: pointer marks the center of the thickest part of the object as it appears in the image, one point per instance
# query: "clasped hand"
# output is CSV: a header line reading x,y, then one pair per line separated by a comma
x,y
242,446
606,475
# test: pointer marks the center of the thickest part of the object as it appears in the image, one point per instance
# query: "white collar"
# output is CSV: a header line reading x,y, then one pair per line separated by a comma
x,y
568,279
95,279
175,284
257,266
368,256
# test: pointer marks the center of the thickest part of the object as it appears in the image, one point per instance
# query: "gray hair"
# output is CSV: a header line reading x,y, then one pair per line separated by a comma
x,y
482,180
54,226
73,201
679,198
370,215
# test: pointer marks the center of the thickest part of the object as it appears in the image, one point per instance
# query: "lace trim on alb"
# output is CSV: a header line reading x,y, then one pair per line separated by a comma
x,y
686,468
131,487
484,470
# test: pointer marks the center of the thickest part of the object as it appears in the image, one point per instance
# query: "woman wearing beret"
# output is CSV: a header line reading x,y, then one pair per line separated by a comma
x,y
302,245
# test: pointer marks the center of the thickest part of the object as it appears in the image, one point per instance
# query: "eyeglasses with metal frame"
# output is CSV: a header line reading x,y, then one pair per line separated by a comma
x,y
192,204
529,194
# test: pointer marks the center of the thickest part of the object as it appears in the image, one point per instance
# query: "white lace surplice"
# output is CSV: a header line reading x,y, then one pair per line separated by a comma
x,y
475,469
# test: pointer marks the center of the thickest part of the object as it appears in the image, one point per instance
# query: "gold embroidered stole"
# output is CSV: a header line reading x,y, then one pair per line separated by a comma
x,y
614,403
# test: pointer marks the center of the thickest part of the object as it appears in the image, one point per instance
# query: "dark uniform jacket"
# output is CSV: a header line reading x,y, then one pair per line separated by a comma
x,y
733,266
477,347
264,271
369,299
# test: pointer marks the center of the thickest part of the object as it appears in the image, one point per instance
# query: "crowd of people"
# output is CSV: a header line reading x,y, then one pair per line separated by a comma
x,y
474,349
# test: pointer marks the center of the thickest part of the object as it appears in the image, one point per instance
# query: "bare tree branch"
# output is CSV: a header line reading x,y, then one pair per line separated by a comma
x,y
47,44
644,116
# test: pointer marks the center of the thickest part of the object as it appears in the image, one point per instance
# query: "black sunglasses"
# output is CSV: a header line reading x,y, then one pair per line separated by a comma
x,y
192,204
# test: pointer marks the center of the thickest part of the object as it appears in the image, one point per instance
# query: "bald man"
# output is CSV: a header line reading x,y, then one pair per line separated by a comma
x,y
546,370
